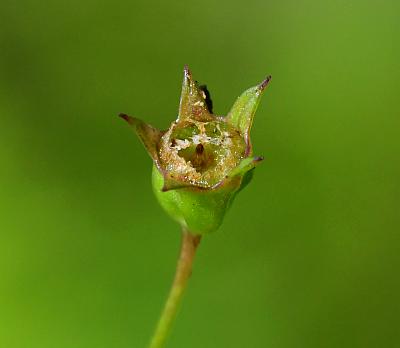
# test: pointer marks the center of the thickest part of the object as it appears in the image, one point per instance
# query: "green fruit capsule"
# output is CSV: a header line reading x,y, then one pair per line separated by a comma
x,y
202,161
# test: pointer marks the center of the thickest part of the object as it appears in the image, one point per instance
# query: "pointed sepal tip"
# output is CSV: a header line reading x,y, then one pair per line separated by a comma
x,y
265,83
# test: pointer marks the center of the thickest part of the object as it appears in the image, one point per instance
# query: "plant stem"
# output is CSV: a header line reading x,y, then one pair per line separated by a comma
x,y
182,274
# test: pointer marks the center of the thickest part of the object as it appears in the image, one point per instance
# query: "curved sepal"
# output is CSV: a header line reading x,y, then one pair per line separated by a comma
x,y
170,183
245,165
243,110
148,135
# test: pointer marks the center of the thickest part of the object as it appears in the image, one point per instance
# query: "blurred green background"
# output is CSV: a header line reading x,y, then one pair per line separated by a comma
x,y
309,254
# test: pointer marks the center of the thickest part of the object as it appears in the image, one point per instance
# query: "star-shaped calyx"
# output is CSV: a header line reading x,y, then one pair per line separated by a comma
x,y
200,150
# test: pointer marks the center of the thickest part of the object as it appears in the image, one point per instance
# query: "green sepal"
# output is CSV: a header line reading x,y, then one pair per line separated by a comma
x,y
242,113
245,165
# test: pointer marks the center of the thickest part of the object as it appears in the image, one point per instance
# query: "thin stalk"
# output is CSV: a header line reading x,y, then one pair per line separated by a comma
x,y
182,274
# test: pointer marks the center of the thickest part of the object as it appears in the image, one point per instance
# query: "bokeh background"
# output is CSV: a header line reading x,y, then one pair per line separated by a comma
x,y
309,254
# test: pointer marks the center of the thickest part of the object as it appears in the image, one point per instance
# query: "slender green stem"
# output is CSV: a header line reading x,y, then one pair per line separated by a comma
x,y
183,272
